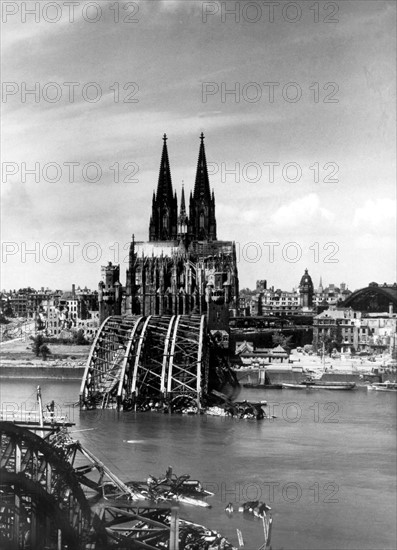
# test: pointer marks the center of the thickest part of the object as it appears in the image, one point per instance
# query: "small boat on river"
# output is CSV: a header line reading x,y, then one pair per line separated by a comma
x,y
384,386
318,385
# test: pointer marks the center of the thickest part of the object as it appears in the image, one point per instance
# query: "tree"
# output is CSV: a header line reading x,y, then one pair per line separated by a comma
x,y
79,338
38,341
44,351
279,339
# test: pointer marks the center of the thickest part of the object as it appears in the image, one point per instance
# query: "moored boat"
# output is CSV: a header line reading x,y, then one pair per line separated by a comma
x,y
383,386
310,385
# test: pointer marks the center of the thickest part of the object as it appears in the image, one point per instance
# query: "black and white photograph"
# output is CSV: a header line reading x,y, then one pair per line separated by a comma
x,y
198,296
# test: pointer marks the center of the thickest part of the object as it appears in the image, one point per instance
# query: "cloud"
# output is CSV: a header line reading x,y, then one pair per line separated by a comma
x,y
375,214
369,241
302,211
178,5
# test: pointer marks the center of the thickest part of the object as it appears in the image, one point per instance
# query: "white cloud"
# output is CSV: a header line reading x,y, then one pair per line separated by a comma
x,y
376,213
369,241
178,5
301,211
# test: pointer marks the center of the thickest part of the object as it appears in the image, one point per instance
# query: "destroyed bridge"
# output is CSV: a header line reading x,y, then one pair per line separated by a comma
x,y
153,362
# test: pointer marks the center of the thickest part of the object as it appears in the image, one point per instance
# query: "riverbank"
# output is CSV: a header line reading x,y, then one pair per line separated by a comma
x,y
74,370
55,372
289,376
64,362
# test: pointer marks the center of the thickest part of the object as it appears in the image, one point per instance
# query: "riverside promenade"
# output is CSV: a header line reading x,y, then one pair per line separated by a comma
x,y
342,369
64,361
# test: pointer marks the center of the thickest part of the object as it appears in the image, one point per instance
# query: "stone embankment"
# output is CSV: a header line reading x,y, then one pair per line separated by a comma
x,y
280,376
57,369
65,361
36,368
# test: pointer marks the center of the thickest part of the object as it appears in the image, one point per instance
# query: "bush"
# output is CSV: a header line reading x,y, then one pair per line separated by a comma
x,y
79,338
282,340
38,341
44,351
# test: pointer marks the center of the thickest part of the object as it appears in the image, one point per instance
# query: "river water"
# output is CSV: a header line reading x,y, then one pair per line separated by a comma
x,y
326,465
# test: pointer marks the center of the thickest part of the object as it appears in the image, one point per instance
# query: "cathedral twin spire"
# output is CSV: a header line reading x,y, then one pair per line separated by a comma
x,y
165,224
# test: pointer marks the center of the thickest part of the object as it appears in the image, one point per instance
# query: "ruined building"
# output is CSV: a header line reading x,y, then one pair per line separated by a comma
x,y
182,269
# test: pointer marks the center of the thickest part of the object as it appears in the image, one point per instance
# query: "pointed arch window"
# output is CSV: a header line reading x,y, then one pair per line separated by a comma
x,y
166,220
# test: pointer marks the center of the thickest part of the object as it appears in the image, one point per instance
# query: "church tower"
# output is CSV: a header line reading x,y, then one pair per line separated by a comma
x,y
182,218
306,290
163,222
202,203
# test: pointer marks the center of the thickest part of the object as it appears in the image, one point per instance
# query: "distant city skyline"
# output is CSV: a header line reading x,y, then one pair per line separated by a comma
x,y
252,287
106,92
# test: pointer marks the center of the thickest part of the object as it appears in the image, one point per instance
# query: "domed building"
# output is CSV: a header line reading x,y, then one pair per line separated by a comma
x,y
306,290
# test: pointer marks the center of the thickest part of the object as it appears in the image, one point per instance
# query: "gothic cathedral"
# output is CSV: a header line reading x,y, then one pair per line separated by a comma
x,y
182,269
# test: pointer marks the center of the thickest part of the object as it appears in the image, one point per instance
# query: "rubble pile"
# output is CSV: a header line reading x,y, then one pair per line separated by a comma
x,y
241,410
218,404
172,487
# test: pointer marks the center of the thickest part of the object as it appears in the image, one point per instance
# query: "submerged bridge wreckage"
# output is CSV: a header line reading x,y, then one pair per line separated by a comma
x,y
165,363
55,494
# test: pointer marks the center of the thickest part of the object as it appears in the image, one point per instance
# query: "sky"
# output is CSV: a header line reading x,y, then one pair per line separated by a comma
x,y
297,105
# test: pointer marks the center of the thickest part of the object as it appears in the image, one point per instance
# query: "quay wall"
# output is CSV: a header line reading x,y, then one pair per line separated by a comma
x,y
287,376
276,376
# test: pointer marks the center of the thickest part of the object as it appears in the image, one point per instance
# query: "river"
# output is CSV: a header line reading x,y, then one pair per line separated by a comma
x,y
326,465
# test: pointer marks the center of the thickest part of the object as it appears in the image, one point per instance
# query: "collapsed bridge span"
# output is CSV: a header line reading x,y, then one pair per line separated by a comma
x,y
152,361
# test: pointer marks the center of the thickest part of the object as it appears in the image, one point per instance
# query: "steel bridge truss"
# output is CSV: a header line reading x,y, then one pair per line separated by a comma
x,y
42,504
55,494
146,361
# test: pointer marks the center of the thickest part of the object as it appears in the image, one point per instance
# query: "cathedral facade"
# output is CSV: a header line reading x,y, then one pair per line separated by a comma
x,y
183,268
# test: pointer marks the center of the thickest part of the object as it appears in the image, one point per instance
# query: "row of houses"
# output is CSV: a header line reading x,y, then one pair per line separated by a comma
x,y
354,331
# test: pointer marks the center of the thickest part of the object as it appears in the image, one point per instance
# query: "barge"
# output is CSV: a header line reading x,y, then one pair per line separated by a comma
x,y
312,385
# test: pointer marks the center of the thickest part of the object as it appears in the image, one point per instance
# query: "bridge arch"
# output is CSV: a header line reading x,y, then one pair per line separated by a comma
x,y
42,501
157,357
188,365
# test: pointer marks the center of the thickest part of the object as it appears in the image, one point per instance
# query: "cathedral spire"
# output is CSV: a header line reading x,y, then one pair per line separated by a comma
x,y
202,219
163,222
182,219
164,185
183,204
202,184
